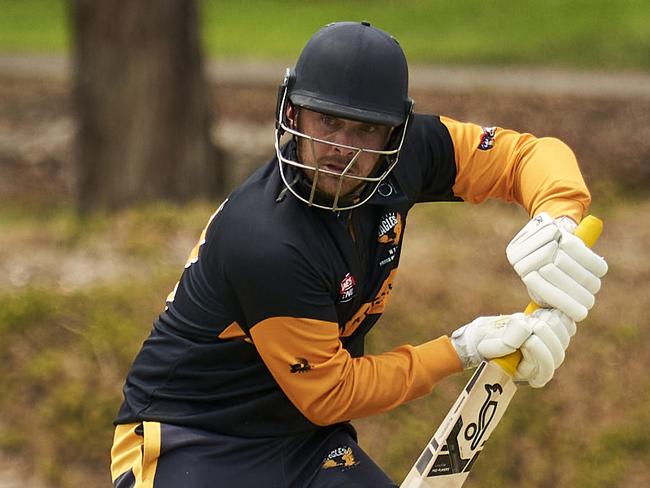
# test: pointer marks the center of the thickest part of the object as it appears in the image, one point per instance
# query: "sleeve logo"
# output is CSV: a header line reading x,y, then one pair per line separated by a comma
x,y
487,138
302,366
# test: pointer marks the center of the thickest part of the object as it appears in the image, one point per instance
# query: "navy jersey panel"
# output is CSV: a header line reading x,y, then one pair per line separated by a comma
x,y
427,169
265,254
184,373
271,255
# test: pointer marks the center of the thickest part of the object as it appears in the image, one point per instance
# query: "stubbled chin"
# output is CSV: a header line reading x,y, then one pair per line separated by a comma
x,y
330,186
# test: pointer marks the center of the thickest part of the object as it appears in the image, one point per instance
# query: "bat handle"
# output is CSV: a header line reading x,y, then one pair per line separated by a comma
x,y
589,231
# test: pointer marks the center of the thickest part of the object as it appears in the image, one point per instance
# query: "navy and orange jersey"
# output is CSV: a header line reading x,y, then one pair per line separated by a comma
x,y
263,335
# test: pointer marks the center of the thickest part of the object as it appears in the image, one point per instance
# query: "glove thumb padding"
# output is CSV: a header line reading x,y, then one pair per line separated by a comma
x,y
508,335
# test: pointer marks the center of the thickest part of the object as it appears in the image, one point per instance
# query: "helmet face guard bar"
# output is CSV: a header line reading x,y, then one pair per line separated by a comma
x,y
391,155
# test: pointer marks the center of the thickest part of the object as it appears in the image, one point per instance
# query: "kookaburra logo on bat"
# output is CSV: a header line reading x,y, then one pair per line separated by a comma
x,y
474,432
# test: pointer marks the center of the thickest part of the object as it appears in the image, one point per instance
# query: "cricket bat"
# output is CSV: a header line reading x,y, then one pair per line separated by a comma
x,y
448,458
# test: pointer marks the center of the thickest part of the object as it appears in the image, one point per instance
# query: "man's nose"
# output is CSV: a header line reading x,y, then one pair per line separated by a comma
x,y
345,138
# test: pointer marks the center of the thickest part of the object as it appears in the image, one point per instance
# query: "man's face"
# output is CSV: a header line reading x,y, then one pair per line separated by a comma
x,y
335,158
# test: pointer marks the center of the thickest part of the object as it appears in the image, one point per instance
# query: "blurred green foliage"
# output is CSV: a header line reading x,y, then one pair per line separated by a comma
x,y
65,350
63,355
579,33
583,33
33,26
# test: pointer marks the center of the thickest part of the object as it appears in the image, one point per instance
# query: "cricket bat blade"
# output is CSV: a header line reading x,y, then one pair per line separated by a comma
x,y
449,456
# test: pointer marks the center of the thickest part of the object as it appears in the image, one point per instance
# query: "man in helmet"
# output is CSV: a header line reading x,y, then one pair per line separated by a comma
x,y
253,371
355,76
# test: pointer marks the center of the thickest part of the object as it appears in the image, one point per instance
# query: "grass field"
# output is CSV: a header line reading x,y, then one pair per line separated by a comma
x,y
65,345
604,34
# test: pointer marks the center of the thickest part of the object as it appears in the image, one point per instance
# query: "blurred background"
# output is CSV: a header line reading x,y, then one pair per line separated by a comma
x,y
124,124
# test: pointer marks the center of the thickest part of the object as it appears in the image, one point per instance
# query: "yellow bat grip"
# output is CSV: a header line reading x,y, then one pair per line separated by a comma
x,y
589,231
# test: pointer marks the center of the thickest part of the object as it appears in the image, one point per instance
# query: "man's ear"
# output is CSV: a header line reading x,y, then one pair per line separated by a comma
x,y
292,116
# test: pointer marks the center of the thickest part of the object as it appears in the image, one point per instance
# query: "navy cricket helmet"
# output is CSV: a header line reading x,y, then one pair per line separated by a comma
x,y
355,71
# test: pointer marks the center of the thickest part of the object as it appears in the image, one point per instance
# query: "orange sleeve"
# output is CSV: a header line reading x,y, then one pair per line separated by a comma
x,y
541,174
328,386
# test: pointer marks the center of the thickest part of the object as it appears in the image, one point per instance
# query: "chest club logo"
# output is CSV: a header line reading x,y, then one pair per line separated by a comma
x,y
487,138
347,288
390,229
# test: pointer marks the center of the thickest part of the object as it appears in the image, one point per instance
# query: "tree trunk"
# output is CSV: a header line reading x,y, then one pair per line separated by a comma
x,y
142,103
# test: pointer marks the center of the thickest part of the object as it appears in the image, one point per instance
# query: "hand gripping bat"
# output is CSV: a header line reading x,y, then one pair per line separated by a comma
x,y
448,458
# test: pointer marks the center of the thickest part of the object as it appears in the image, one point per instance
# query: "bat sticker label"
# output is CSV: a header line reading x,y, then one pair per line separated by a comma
x,y
463,445
475,432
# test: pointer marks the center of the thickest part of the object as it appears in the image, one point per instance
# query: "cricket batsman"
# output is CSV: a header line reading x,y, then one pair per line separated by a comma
x,y
255,367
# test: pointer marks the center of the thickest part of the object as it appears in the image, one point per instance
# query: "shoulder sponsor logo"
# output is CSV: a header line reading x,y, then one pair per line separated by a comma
x,y
341,457
390,228
347,288
301,366
487,138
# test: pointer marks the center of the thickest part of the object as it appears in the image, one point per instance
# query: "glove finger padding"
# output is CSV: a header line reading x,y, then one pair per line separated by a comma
x,y
548,295
561,323
545,350
537,365
575,270
562,326
542,255
551,341
577,249
558,269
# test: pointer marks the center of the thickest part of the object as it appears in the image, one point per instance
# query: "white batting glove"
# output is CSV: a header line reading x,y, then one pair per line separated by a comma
x,y
491,337
558,269
544,351
542,338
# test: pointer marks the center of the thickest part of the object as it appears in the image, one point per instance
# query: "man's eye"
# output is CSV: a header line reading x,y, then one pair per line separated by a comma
x,y
369,129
